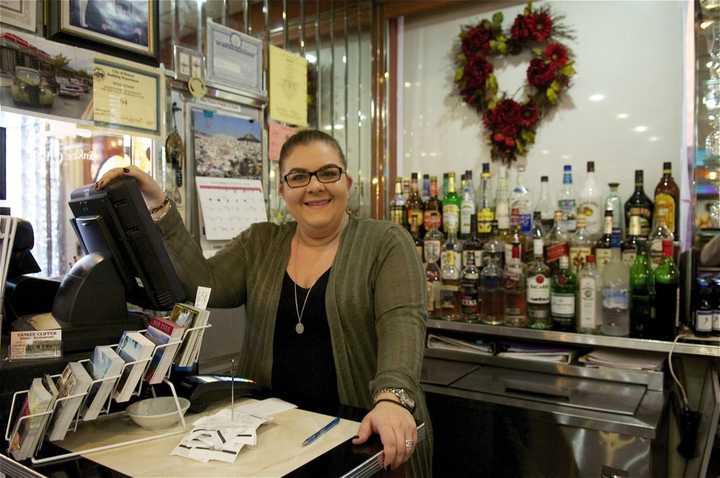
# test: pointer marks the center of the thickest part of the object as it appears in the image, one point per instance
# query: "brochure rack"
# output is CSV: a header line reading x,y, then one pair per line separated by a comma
x,y
105,409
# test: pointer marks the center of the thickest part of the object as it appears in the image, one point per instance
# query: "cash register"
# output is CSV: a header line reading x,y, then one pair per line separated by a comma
x,y
124,260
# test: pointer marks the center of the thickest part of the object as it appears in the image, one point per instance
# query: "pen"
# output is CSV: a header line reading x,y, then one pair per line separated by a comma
x,y
322,431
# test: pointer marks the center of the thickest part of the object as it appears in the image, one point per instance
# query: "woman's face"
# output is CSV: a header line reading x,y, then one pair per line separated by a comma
x,y
317,205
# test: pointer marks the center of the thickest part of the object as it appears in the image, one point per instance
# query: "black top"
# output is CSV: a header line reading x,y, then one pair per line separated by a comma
x,y
303,365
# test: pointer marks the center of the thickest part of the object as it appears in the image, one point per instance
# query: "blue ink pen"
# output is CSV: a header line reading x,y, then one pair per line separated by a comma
x,y
321,432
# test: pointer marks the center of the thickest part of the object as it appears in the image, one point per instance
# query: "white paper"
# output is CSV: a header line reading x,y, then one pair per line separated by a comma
x,y
202,297
264,408
228,206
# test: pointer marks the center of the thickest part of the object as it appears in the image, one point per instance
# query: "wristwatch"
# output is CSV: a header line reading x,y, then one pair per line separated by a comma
x,y
401,394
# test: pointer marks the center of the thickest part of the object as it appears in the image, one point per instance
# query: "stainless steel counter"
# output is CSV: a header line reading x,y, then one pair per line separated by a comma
x,y
703,347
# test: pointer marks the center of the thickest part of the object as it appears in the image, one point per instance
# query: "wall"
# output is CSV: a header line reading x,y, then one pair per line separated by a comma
x,y
629,52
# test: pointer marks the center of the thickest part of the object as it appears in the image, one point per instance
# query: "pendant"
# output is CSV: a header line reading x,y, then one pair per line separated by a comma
x,y
299,328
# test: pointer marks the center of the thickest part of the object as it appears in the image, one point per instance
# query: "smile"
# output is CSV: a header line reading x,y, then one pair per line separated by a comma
x,y
317,202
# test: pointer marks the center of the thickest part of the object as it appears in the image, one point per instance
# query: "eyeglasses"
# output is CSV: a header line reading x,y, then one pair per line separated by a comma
x,y
326,174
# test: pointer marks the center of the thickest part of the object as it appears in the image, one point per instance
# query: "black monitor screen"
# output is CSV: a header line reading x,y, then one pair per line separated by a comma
x,y
116,222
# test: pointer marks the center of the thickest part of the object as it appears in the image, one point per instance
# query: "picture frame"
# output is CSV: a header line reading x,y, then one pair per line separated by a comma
x,y
3,162
234,61
127,29
188,63
19,13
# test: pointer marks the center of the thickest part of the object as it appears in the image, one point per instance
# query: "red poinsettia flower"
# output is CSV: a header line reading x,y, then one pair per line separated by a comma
x,y
503,120
530,115
476,41
475,72
542,26
541,73
556,54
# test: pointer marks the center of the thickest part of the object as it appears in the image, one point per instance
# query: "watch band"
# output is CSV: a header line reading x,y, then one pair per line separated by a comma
x,y
402,396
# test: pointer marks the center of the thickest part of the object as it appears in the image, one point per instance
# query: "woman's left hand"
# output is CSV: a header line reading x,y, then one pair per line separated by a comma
x,y
396,427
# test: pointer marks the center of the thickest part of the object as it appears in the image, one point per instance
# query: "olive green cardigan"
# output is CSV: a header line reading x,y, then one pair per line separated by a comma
x,y
375,303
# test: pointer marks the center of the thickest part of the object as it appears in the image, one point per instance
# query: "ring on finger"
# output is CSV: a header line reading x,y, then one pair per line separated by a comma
x,y
409,444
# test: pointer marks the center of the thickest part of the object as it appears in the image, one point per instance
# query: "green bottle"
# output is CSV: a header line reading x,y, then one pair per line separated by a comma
x,y
563,291
641,294
667,296
451,207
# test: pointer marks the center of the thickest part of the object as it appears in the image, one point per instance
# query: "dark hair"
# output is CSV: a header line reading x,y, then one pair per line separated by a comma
x,y
308,136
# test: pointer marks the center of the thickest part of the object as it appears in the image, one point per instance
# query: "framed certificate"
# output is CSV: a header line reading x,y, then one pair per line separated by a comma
x,y
234,60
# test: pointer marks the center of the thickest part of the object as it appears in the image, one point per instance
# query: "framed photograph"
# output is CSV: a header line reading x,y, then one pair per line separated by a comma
x,y
188,63
124,28
234,60
19,13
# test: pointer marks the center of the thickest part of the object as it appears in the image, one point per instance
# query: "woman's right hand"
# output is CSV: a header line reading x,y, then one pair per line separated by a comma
x,y
151,190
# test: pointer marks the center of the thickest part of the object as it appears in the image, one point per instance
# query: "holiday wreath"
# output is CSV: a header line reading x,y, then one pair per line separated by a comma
x,y
512,125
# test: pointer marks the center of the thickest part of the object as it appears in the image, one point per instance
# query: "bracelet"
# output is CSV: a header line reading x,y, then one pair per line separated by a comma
x,y
164,203
391,401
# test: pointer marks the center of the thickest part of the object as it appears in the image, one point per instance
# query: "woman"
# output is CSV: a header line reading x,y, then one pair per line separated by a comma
x,y
335,304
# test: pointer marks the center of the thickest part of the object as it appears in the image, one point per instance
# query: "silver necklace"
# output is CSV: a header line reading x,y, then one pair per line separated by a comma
x,y
299,327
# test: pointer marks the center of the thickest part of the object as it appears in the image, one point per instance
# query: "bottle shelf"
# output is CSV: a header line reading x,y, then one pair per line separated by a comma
x,y
687,345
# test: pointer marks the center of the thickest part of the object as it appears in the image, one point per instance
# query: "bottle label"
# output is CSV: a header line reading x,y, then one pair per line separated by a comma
x,y
484,220
450,259
656,253
432,219
593,219
451,217
578,254
432,250
432,294
602,257
628,257
562,305
449,296
665,210
508,252
555,251
616,299
703,321
716,321
415,218
538,289
568,207
397,216
477,256
525,223
644,214
588,303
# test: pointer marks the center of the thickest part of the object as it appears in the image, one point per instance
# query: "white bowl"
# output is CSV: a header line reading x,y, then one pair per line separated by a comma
x,y
157,413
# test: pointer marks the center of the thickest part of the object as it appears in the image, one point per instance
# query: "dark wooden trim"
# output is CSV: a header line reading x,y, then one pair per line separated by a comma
x,y
392,89
377,186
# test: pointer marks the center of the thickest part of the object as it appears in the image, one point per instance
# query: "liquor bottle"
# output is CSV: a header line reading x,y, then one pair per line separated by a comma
x,y
406,187
520,208
432,215
472,246
450,269
563,290
537,232
397,205
603,247
580,246
702,325
716,305
590,305
545,204
417,237
451,207
467,209
431,249
590,204
494,248
667,197
538,290
667,296
425,194
556,243
514,284
444,186
515,236
413,205
660,233
469,290
629,247
639,205
502,205
491,293
641,292
566,202
615,296
504,237
614,203
486,213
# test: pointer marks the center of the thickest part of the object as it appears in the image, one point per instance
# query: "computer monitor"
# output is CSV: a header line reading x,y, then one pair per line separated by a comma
x,y
125,261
